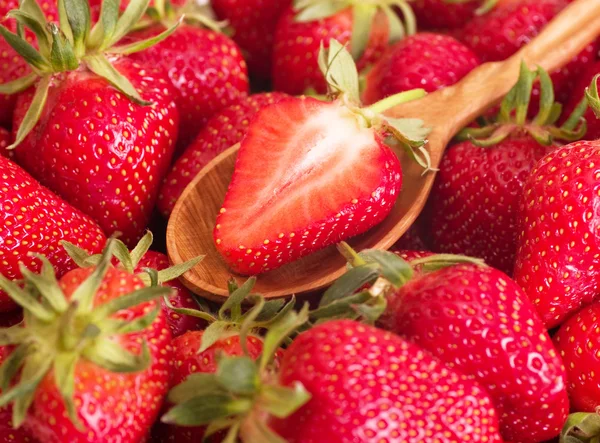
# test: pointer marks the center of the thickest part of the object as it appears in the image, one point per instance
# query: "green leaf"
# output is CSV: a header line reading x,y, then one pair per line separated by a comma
x,y
34,112
176,271
85,293
109,355
523,89
141,248
26,300
393,268
203,410
64,377
130,300
410,21
132,14
341,307
34,370
232,424
25,50
395,25
249,320
270,309
18,85
46,284
32,8
440,261
339,70
197,384
580,427
238,375
10,366
37,27
205,315
362,22
121,253
350,282
140,323
13,335
546,98
234,301
212,333
575,118
78,14
65,27
100,65
591,94
145,44
279,332
257,430
268,319
77,254
371,312
283,401
317,10
104,29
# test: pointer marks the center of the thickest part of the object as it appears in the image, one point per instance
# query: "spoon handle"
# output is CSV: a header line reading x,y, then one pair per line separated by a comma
x,y
448,110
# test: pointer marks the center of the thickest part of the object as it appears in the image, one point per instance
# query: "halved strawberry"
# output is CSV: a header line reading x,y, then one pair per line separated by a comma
x,y
310,173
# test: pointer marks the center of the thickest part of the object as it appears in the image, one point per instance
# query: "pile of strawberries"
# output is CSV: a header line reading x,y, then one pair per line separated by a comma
x,y
482,324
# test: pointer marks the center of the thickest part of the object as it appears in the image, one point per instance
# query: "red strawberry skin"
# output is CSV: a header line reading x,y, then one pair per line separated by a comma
x,y
254,23
289,151
371,385
557,261
577,342
206,68
593,123
296,49
5,140
189,361
226,128
33,219
442,14
425,60
475,199
182,298
503,344
13,66
112,407
99,151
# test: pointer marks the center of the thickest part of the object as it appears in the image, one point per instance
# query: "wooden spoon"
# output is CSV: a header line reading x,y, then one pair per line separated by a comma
x,y
190,228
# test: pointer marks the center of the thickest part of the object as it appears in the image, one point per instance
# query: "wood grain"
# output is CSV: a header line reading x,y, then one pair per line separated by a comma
x,y
189,232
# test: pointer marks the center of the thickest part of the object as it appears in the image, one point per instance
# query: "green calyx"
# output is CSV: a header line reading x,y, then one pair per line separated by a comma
x,y
242,391
129,260
486,5
363,18
581,427
58,332
384,272
341,75
512,118
165,13
73,44
591,95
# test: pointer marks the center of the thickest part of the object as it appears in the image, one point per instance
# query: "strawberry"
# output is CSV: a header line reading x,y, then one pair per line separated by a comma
x,y
504,345
283,202
206,68
93,355
155,269
302,28
576,341
13,66
593,124
371,385
226,128
556,263
96,144
424,60
449,14
5,141
253,22
34,220
197,353
474,203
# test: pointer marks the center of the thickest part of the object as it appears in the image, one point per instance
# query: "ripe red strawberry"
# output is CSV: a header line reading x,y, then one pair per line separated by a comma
x,y
13,66
283,201
101,356
206,68
226,128
303,27
503,343
253,22
5,141
34,220
557,261
577,343
474,203
371,385
412,240
92,143
425,60
593,123
444,14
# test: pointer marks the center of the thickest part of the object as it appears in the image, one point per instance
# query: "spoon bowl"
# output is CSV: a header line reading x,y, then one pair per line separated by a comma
x,y
190,229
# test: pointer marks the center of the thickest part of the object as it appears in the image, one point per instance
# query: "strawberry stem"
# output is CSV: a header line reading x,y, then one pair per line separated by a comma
x,y
393,100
